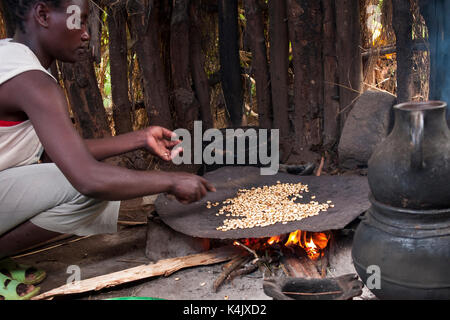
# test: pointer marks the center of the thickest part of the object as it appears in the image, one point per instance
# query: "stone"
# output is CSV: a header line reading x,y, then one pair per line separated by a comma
x,y
369,122
164,242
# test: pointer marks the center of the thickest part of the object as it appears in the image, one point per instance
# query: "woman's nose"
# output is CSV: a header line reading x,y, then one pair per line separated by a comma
x,y
85,35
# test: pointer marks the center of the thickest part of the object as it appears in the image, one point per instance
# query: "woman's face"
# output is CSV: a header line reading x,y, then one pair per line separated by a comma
x,y
67,36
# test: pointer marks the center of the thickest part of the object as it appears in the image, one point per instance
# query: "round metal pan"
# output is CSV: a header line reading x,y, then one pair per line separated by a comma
x,y
349,194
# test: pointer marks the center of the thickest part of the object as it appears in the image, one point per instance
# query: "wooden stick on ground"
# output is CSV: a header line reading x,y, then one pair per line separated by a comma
x,y
131,223
51,247
319,170
235,263
162,267
243,271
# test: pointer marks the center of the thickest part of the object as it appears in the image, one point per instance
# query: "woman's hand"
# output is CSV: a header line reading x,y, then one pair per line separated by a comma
x,y
159,142
188,188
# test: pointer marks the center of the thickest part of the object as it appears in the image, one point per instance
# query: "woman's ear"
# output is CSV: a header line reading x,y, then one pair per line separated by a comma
x,y
41,13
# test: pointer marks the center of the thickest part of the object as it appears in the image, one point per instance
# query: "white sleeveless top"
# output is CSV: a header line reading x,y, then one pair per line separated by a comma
x,y
19,144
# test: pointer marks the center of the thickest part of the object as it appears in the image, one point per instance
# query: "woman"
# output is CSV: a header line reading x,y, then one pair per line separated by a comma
x,y
76,194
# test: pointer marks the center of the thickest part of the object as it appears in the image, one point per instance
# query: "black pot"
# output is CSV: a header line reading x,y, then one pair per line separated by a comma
x,y
405,235
410,248
411,167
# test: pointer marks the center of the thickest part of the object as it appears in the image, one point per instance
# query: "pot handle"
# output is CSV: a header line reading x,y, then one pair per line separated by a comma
x,y
417,134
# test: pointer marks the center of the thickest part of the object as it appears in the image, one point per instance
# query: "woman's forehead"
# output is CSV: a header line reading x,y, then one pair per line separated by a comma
x,y
82,4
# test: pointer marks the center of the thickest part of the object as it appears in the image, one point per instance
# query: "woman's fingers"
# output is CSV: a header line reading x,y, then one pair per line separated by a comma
x,y
168,134
208,185
175,152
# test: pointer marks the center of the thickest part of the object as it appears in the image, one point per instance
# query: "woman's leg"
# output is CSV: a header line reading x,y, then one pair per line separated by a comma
x,y
37,203
23,237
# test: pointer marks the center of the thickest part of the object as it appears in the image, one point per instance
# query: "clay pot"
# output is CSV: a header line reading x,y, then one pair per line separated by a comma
x,y
410,250
405,235
411,167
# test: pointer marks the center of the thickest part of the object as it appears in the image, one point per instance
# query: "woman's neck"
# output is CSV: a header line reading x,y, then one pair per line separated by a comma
x,y
32,43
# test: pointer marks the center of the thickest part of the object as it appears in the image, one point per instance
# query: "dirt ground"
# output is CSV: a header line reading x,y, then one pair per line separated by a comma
x,y
103,254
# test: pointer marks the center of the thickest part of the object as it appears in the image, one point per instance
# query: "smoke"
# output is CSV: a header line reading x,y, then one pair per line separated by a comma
x,y
436,13
445,67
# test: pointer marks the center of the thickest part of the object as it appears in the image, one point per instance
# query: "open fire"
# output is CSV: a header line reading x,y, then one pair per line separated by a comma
x,y
313,243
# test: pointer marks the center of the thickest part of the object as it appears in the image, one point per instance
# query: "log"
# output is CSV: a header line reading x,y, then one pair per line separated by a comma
x,y
117,24
348,54
235,264
402,20
230,60
144,26
85,99
331,128
300,267
255,26
186,105
197,64
95,31
305,33
279,77
163,267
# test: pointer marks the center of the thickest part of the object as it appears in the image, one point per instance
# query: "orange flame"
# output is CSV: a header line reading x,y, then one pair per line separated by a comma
x,y
312,242
274,239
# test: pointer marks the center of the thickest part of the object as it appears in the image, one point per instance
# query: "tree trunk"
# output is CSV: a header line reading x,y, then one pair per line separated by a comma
x,y
84,95
330,88
95,31
230,60
257,39
144,28
402,22
305,32
197,63
348,36
85,99
117,24
279,64
186,105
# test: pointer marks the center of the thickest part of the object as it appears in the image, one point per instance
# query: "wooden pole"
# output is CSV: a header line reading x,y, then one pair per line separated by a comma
x,y
255,27
348,41
163,267
230,60
402,22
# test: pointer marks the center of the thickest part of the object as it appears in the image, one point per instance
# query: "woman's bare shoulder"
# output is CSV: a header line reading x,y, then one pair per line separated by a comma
x,y
30,89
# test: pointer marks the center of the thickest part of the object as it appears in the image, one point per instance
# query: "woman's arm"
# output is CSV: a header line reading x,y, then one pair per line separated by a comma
x,y
155,139
43,101
113,146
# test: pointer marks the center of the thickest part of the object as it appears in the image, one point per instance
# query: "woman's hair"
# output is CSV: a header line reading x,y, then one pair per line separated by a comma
x,y
18,9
